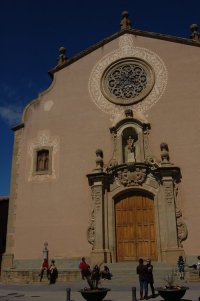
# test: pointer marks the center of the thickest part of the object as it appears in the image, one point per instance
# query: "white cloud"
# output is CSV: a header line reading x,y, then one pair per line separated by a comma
x,y
11,114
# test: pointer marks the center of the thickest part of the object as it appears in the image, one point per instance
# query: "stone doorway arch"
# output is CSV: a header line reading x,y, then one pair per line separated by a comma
x,y
139,171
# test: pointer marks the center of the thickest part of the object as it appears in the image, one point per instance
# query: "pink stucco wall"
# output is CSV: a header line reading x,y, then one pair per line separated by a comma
x,y
58,211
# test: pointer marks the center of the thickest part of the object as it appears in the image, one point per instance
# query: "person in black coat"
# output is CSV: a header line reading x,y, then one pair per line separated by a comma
x,y
53,273
150,276
106,274
143,279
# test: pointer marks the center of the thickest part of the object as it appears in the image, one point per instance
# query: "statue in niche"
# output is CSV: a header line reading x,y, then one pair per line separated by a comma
x,y
129,150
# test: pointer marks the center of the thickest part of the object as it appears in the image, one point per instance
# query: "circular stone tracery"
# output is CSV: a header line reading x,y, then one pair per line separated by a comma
x,y
127,50
127,81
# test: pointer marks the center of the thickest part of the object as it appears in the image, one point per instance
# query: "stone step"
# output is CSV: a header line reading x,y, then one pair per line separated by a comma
x,y
126,272
123,272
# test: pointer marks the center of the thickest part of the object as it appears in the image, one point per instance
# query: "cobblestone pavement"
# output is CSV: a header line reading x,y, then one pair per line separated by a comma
x,y
58,292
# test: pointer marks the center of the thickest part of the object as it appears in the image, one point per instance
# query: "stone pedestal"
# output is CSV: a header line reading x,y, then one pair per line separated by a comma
x,y
100,252
7,261
98,256
171,255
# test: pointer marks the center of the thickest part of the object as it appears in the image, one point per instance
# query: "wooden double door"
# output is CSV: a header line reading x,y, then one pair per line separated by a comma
x,y
135,228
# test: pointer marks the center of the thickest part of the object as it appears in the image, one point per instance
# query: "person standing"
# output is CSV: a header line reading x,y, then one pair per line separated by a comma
x,y
181,267
150,276
142,272
198,265
85,268
53,273
44,268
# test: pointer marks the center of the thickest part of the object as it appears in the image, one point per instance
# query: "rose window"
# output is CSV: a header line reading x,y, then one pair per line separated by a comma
x,y
127,81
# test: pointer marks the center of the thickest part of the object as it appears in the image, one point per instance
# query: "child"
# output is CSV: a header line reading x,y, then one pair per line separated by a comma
x,y
181,266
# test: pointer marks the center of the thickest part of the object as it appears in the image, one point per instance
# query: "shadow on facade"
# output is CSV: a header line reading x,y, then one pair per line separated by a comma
x,y
4,201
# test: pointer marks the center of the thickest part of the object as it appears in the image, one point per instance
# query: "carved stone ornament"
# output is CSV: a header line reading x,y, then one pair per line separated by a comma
x,y
127,81
127,50
91,230
182,231
168,192
131,178
152,162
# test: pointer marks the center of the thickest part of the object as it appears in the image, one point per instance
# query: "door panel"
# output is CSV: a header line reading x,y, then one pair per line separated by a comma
x,y
135,228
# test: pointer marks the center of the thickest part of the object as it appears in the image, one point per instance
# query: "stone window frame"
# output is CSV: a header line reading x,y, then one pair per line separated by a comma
x,y
35,155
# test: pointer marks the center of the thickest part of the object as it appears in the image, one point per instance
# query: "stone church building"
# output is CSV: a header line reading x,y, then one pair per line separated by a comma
x,y
106,161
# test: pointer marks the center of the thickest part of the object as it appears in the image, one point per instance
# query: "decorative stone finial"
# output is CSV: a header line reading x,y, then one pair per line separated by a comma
x,y
125,22
129,113
61,58
164,152
99,161
195,33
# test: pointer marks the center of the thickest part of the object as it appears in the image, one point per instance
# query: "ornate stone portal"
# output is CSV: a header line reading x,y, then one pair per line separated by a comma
x,y
135,207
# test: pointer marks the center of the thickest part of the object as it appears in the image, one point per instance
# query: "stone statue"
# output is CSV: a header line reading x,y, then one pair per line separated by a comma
x,y
129,150
125,22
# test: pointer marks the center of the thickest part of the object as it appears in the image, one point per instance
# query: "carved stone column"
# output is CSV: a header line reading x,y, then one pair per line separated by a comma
x,y
97,231
169,176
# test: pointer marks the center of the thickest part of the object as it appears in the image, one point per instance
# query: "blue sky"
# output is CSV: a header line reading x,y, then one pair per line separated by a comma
x,y
32,31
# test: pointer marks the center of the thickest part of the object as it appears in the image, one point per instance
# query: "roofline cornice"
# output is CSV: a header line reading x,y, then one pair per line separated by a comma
x,y
137,32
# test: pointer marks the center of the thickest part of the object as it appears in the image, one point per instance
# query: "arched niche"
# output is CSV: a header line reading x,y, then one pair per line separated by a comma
x,y
130,136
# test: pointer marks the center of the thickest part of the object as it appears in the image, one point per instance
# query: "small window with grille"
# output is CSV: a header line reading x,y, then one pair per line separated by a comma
x,y
42,161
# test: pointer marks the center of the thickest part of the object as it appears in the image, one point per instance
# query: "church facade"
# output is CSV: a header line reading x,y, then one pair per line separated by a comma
x,y
106,160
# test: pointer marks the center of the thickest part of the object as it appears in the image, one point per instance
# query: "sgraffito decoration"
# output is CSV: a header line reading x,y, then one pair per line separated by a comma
x,y
152,77
43,139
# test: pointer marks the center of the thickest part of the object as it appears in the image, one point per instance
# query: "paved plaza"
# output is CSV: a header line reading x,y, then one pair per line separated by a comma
x,y
58,292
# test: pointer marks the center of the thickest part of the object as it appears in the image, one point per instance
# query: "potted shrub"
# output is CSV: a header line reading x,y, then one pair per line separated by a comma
x,y
93,292
171,291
